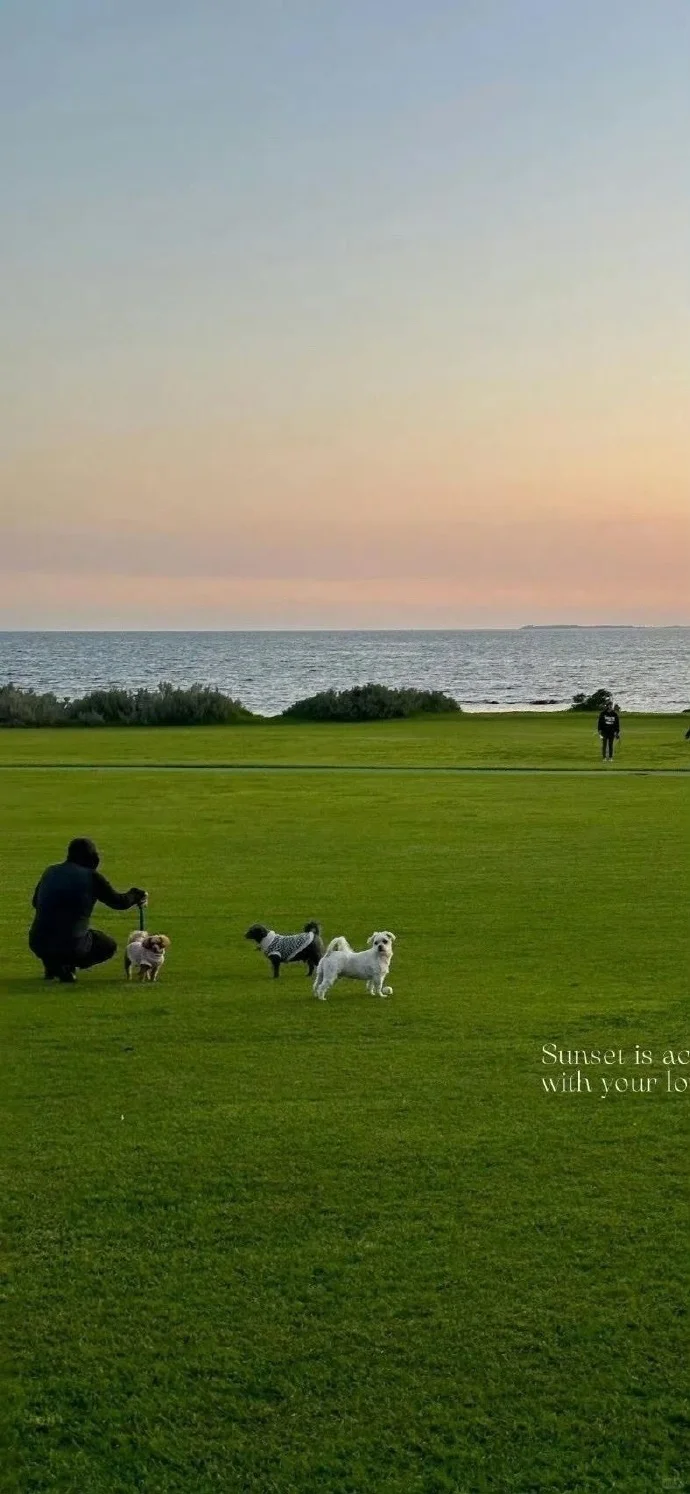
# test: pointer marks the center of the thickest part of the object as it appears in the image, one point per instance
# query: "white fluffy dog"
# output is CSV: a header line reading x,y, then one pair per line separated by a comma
x,y
371,964
145,954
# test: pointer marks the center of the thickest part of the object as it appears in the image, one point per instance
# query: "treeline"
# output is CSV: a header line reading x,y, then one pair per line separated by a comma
x,y
202,705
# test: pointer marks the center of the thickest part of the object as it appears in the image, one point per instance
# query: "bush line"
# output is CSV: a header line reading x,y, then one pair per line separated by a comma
x,y
204,705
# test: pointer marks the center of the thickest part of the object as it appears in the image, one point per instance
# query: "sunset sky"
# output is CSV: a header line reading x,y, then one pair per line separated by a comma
x,y
340,313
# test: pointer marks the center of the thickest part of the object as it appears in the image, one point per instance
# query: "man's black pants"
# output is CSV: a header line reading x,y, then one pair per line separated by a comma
x,y
94,948
607,742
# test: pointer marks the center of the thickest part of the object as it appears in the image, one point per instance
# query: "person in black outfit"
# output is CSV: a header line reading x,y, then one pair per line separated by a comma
x,y
63,902
609,729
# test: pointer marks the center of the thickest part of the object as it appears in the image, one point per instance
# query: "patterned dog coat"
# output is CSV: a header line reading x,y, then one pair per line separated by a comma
x,y
285,947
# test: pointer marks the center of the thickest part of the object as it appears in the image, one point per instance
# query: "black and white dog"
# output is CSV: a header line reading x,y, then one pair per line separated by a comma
x,y
288,949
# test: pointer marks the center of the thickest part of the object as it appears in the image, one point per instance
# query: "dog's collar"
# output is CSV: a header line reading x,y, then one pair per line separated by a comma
x,y
268,940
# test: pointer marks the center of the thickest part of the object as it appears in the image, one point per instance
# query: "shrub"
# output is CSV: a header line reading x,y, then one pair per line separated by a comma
x,y
200,705
26,708
370,703
595,702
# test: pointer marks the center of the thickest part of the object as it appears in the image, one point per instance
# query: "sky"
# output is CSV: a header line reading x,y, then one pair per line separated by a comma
x,y
344,313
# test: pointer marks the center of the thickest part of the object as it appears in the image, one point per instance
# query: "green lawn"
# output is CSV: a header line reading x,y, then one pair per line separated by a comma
x,y
532,739
256,1242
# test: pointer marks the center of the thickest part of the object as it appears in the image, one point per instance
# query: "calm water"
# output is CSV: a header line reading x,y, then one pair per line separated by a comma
x,y
646,668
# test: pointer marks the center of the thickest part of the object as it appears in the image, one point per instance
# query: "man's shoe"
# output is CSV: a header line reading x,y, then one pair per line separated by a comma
x,y
67,977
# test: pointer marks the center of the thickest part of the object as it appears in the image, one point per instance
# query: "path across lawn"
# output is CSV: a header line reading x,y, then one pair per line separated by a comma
x,y
193,767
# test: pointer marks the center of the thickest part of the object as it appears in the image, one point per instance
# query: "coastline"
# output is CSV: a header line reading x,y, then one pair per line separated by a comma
x,y
533,668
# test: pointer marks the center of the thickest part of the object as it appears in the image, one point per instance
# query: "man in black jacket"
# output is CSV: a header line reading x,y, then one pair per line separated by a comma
x,y
63,902
609,729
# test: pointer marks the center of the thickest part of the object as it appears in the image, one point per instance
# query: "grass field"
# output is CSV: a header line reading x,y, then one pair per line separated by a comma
x,y
529,740
256,1242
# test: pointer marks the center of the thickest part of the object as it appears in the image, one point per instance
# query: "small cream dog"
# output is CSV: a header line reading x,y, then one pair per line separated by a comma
x,y
145,953
371,964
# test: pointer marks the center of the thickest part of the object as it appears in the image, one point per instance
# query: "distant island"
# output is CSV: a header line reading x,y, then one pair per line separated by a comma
x,y
592,627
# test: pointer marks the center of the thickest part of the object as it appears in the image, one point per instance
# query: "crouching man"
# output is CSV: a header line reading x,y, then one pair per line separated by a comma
x,y
63,902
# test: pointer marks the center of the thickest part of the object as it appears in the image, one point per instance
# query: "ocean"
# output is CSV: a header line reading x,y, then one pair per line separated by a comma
x,y
647,669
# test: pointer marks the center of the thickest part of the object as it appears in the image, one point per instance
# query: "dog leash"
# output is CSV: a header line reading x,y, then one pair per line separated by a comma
x,y
142,922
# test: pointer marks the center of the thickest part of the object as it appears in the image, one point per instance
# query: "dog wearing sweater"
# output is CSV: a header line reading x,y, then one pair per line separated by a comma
x,y
288,949
145,954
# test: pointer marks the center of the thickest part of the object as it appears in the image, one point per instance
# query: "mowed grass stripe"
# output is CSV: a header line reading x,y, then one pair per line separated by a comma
x,y
257,1242
531,740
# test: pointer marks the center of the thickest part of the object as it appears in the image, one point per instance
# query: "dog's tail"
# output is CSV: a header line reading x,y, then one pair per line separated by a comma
x,y
338,945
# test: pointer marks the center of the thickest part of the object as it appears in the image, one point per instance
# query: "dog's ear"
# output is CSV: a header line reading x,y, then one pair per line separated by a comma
x,y
390,936
371,939
164,940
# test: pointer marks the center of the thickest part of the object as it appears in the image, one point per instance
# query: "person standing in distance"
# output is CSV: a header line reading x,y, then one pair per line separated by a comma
x,y
609,729
63,902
